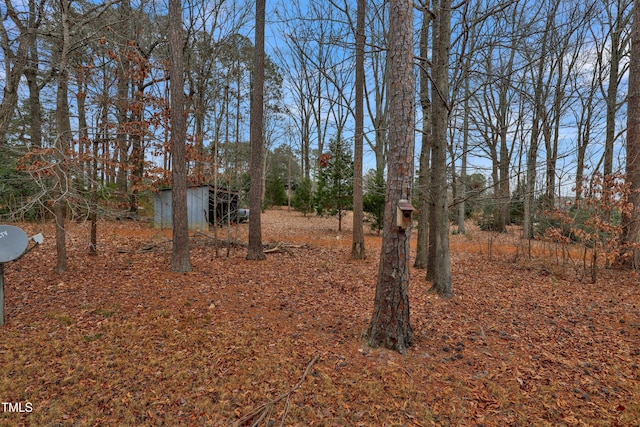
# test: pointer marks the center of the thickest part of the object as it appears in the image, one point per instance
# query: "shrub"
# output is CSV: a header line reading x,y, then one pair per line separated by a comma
x,y
595,221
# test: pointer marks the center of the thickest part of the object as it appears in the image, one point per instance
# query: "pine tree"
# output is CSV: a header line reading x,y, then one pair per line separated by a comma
x,y
303,197
373,199
334,195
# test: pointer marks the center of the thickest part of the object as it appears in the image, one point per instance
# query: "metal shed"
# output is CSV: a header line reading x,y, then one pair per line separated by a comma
x,y
204,204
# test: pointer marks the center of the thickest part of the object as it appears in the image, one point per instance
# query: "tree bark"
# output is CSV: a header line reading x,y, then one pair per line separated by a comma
x,y
390,326
255,251
462,191
538,77
358,248
63,136
180,258
617,48
122,103
584,126
422,249
14,64
31,74
632,221
439,265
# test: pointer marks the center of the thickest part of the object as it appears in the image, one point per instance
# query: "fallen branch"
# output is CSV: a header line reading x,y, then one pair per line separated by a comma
x,y
270,248
265,409
282,248
222,242
164,245
150,246
279,248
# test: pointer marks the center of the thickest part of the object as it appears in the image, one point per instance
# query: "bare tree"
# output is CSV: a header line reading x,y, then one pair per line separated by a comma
x,y
438,266
217,61
31,74
469,41
616,41
255,251
123,96
496,107
537,56
565,55
298,72
586,117
390,324
318,64
180,258
632,221
422,250
358,249
69,25
377,84
14,64
63,136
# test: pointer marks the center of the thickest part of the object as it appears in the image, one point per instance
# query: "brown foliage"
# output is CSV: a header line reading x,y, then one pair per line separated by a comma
x,y
323,160
119,340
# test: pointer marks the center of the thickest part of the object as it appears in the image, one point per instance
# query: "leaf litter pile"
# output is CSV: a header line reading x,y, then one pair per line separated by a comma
x,y
120,340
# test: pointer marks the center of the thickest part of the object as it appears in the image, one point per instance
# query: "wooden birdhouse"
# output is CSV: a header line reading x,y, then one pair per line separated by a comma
x,y
404,213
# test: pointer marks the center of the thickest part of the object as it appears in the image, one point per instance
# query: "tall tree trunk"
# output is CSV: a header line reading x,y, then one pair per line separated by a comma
x,y
422,250
255,251
83,130
14,64
564,64
93,197
632,221
381,125
439,265
612,98
504,188
63,136
390,326
357,248
462,191
31,74
180,259
122,103
198,119
136,160
98,161
616,43
584,127
539,115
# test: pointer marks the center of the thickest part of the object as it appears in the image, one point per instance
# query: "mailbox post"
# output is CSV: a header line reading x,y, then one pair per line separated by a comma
x,y
13,244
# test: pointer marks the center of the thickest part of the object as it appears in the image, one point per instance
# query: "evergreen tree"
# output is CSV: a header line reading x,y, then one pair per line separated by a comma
x,y
16,187
275,194
373,199
282,171
303,196
334,195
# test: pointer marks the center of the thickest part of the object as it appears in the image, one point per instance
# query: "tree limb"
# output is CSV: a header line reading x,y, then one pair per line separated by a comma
x,y
261,411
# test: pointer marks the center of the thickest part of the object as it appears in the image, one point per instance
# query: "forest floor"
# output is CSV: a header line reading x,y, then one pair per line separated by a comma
x,y
118,340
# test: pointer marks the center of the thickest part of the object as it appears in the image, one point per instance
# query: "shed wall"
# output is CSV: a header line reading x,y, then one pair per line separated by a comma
x,y
197,208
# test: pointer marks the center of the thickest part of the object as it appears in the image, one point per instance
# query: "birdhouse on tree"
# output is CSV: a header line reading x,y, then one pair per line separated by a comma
x,y
404,214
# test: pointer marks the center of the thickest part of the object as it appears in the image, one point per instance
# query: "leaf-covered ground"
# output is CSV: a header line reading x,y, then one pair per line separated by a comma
x,y
118,340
